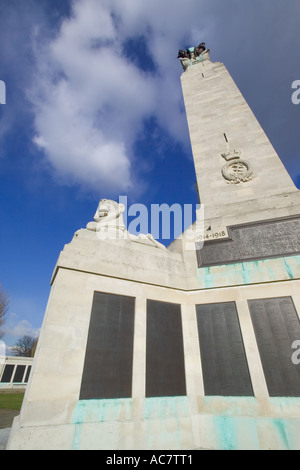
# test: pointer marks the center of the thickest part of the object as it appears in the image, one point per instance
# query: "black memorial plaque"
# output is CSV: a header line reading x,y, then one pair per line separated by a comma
x,y
260,240
276,325
224,364
107,371
165,372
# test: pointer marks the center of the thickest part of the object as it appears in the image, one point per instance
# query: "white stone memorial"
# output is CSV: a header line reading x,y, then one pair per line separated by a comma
x,y
147,347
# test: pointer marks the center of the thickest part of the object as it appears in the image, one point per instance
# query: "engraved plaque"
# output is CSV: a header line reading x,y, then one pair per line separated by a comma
x,y
165,372
267,239
224,364
107,369
276,326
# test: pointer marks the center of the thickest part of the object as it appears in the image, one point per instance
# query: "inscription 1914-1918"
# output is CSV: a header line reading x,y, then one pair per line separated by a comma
x,y
264,239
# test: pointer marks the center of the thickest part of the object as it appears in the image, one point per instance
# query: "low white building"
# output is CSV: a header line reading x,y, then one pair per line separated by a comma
x,y
14,371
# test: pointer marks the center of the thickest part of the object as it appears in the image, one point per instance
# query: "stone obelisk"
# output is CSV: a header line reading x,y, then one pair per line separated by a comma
x,y
173,349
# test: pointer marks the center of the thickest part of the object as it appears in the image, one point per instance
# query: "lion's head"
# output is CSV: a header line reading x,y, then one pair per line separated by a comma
x,y
108,210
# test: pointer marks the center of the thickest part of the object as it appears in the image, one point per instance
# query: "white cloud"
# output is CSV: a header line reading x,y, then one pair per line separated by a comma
x,y
90,101
85,101
24,328
18,328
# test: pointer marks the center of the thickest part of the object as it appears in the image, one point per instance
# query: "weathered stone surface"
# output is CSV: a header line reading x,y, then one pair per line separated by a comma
x,y
266,239
54,417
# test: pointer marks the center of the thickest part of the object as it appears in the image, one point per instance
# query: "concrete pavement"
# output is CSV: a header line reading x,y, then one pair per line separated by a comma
x,y
6,420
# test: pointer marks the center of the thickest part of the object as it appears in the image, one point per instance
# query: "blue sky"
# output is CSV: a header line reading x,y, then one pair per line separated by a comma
x,y
94,109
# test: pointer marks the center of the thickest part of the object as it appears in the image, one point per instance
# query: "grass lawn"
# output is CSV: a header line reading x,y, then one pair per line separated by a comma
x,y
11,401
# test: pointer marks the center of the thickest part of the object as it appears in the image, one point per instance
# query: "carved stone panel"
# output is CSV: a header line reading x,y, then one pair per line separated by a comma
x,y
224,363
107,371
276,326
264,239
165,372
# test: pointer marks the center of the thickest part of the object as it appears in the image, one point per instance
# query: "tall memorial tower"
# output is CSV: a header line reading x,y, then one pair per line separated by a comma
x,y
147,347
240,177
249,198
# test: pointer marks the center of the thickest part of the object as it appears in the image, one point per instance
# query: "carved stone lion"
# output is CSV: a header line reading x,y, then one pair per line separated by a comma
x,y
108,223
108,216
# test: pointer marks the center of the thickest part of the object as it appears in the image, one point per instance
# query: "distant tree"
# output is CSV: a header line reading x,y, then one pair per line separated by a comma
x,y
25,346
4,299
33,349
